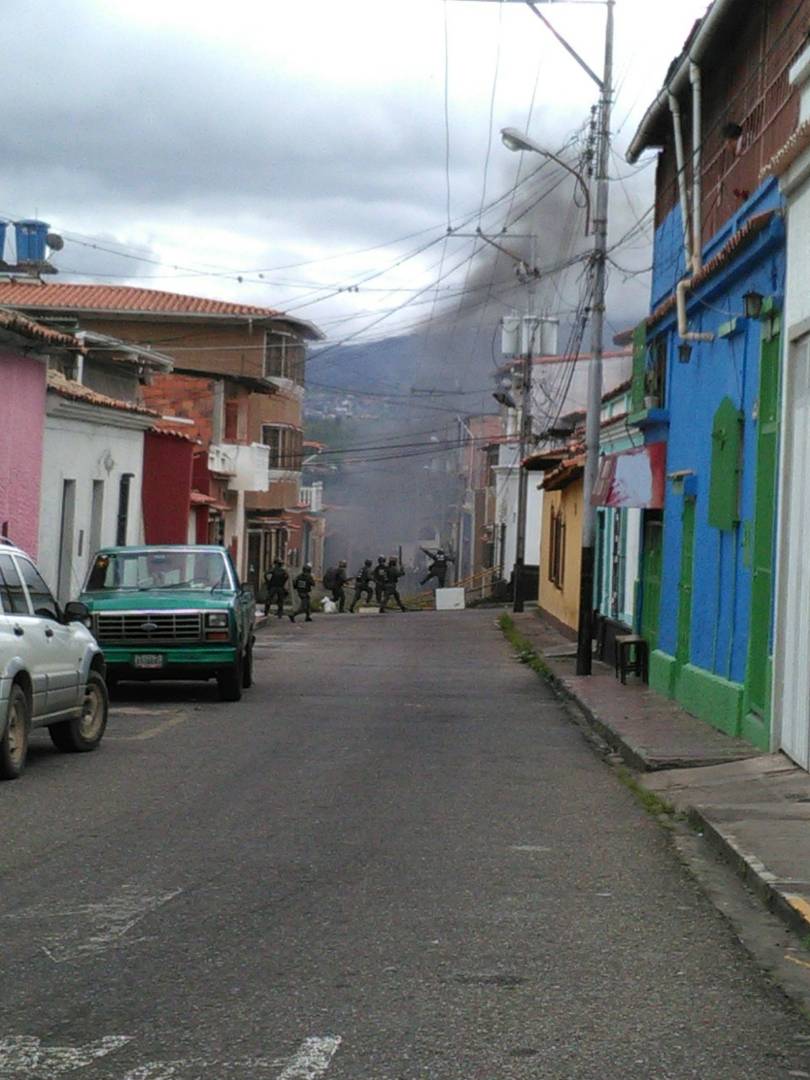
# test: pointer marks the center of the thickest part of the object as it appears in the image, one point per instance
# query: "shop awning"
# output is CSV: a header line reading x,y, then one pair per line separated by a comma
x,y
633,478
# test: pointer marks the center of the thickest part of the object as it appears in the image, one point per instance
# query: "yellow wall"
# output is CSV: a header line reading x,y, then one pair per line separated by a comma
x,y
562,604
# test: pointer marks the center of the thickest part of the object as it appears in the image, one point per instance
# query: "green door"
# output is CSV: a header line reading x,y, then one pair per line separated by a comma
x,y
651,578
757,682
685,583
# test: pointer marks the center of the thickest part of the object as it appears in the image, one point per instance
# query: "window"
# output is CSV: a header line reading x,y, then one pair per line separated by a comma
x,y
41,600
283,357
656,374
231,421
11,590
286,446
556,552
159,568
123,509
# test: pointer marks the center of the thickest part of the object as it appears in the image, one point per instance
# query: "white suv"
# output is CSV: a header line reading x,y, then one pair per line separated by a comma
x,y
51,668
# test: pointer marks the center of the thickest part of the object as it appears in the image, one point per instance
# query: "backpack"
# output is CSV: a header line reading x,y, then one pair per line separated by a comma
x,y
330,578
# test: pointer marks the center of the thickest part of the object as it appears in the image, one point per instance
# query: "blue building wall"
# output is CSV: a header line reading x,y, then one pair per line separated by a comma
x,y
728,366
669,263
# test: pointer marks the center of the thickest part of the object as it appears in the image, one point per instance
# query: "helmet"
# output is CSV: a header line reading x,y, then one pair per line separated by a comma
x,y
440,551
307,566
367,562
380,558
342,562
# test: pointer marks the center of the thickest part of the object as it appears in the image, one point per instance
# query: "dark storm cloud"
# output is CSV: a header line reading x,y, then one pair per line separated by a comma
x,y
143,119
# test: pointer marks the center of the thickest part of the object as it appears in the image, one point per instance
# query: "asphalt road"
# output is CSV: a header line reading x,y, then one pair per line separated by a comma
x,y
395,859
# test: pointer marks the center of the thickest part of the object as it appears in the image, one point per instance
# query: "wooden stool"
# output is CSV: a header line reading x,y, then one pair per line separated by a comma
x,y
632,655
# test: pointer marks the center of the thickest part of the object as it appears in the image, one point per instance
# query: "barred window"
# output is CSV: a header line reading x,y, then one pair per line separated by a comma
x,y
283,357
556,551
286,446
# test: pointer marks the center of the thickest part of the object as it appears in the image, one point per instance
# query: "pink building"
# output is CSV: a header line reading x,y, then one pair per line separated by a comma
x,y
24,350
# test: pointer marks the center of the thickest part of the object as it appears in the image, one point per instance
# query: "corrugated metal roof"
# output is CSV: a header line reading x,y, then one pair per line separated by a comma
x,y
67,388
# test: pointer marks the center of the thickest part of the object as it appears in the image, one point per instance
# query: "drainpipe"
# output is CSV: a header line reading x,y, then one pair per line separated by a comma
x,y
680,164
684,333
697,140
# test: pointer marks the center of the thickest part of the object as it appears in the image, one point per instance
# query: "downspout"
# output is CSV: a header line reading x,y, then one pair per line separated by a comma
x,y
697,147
684,333
680,164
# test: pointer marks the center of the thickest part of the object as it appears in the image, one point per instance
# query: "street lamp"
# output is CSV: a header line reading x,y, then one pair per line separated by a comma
x,y
517,141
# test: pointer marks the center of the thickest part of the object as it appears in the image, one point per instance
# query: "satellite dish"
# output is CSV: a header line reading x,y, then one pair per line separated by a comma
x,y
54,241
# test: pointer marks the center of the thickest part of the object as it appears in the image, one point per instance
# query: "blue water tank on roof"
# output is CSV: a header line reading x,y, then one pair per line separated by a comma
x,y
31,237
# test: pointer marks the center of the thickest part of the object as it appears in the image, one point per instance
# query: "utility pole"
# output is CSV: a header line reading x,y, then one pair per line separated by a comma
x,y
594,409
528,332
527,339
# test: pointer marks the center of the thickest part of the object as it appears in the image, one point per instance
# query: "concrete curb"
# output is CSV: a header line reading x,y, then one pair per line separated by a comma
x,y
791,908
632,755
774,892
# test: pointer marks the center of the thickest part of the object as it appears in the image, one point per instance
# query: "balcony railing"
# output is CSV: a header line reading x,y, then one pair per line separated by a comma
x,y
312,496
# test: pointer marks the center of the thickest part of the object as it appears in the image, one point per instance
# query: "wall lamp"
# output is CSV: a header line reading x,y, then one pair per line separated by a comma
x,y
752,304
684,352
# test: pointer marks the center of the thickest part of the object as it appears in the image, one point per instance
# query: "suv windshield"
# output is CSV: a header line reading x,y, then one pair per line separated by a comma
x,y
159,568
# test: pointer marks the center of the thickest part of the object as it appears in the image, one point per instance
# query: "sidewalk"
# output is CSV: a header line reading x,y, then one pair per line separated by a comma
x,y
753,807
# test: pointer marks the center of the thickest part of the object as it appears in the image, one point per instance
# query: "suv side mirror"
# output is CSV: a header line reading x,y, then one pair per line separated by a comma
x,y
76,611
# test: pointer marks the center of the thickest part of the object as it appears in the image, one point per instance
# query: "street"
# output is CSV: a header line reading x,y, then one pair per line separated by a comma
x,y
394,859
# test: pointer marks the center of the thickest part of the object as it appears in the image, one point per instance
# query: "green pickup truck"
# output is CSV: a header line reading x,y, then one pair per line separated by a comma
x,y
172,612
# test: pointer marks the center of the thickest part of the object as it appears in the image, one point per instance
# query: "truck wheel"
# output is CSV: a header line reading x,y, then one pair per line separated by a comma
x,y
232,680
14,744
247,671
85,732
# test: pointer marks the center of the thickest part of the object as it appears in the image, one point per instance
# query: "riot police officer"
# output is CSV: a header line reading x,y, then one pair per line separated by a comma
x,y
393,572
276,582
303,584
437,568
379,576
362,584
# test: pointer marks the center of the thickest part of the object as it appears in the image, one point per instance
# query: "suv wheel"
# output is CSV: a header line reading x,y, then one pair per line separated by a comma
x,y
232,680
85,732
14,744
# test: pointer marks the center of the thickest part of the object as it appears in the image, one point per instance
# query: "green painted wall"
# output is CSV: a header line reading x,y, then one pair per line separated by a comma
x,y
711,698
663,673
758,663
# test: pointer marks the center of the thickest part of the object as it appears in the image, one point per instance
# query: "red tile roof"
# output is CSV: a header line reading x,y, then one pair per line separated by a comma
x,y
65,296
744,235
27,328
74,391
166,427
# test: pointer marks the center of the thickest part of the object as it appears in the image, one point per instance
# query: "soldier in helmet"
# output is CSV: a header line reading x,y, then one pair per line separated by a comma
x,y
393,572
379,576
362,584
339,585
437,568
303,584
276,583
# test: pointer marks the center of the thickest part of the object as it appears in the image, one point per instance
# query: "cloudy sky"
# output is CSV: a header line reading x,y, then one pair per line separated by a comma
x,y
305,146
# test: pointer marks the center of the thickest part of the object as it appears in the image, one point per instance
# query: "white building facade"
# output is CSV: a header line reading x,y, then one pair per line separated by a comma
x,y
791,675
91,481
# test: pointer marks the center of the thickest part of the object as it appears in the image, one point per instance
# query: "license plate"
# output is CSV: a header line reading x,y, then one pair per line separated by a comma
x,y
147,660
